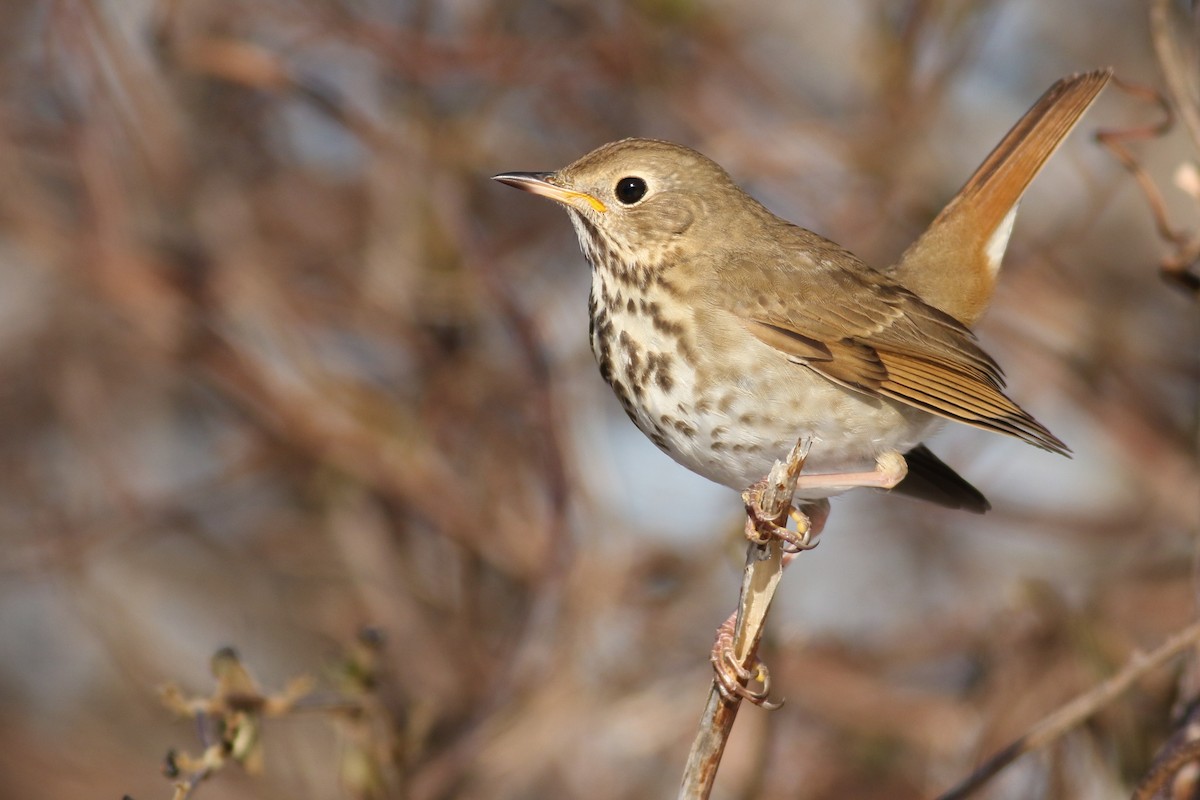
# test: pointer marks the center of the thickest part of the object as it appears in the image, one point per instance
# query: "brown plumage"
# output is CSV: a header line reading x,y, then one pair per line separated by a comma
x,y
729,333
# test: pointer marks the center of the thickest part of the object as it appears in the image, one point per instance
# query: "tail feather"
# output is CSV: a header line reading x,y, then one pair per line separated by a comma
x,y
953,265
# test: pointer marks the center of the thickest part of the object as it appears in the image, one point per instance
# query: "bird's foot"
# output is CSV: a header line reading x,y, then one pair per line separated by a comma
x,y
734,681
760,528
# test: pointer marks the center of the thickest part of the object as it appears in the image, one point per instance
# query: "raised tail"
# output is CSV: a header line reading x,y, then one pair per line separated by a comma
x,y
953,265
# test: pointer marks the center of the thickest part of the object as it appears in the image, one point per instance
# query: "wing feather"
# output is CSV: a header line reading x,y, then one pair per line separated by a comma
x,y
875,336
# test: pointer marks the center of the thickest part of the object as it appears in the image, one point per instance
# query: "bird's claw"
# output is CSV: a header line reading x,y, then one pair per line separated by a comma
x,y
736,682
761,529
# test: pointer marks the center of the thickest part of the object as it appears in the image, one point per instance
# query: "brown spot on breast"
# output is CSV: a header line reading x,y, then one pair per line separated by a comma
x,y
622,396
667,287
684,349
663,325
658,369
657,435
633,352
600,333
685,429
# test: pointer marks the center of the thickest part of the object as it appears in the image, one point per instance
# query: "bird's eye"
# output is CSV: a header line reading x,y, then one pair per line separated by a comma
x,y
630,190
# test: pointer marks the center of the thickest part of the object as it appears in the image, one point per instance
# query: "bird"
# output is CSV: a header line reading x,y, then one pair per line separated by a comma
x,y
728,333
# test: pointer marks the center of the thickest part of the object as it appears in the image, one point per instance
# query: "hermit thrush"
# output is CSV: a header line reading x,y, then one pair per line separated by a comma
x,y
728,333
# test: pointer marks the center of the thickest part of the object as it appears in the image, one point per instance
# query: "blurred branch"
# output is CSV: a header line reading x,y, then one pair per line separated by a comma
x,y
529,649
229,721
1186,247
1074,713
1180,75
1178,67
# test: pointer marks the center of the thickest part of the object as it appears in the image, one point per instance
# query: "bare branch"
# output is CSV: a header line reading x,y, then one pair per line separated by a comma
x,y
1075,712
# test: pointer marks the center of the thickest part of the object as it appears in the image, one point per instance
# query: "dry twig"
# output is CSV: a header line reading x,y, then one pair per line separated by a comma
x,y
1180,100
1075,712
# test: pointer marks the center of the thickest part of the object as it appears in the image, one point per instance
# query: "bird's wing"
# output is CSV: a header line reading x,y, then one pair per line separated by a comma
x,y
855,326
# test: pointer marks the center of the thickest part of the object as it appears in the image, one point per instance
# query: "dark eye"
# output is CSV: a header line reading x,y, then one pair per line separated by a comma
x,y
630,190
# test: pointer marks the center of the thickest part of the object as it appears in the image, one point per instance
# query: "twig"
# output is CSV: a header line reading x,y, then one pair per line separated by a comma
x,y
1173,62
1076,711
1176,266
1114,140
764,567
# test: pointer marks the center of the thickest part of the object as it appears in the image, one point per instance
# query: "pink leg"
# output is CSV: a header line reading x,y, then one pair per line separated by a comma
x,y
890,469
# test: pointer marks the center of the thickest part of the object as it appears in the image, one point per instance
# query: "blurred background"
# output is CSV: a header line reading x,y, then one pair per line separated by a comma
x,y
281,362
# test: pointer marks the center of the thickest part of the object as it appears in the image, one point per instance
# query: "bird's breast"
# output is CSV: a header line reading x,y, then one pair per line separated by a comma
x,y
721,402
641,340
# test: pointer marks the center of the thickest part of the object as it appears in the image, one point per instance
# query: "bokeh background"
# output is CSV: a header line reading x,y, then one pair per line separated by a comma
x,y
280,362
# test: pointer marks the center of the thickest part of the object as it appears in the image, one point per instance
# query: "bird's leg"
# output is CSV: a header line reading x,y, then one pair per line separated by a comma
x,y
890,469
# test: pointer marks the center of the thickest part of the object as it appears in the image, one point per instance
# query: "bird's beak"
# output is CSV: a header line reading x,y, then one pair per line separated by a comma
x,y
542,183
